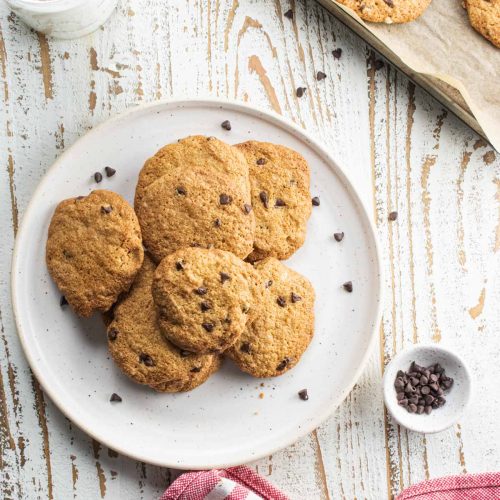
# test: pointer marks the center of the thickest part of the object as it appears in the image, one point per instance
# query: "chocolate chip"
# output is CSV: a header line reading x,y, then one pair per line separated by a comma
x,y
300,91
424,380
112,334
269,283
146,359
393,216
63,302
403,402
98,177
283,364
226,125
224,277
433,377
409,389
245,347
195,369
390,3
348,286
225,199
320,76
438,368
109,171
399,383
261,161
303,395
429,399
264,198
179,265
281,301
115,398
183,353
200,291
106,209
289,14
315,201
400,396
295,298
337,53
247,208
414,381
227,320
425,390
209,327
338,236
379,64
412,408
279,203
181,190
217,222
205,306
420,409
428,409
434,386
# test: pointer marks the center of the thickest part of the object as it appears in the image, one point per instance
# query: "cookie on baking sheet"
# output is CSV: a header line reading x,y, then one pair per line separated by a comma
x,y
94,250
387,11
199,154
484,16
138,346
185,208
203,298
281,325
279,179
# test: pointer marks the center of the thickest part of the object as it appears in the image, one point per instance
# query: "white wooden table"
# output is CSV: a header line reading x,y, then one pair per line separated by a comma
x,y
441,257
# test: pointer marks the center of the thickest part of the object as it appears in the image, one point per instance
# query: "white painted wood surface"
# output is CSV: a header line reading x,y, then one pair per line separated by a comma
x,y
441,257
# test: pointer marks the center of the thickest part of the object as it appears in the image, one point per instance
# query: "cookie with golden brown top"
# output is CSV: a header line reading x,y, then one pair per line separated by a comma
x,y
281,325
139,348
387,11
484,16
203,298
94,250
279,179
186,208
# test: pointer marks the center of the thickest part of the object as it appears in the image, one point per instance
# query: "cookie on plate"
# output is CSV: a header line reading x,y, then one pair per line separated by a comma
x,y
484,16
186,208
279,179
139,348
387,11
281,325
94,250
203,298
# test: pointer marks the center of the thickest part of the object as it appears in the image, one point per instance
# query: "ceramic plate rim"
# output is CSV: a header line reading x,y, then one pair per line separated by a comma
x,y
337,169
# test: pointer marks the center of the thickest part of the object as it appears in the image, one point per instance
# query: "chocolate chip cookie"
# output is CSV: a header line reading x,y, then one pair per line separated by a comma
x,y
203,298
94,250
142,352
387,11
281,201
280,327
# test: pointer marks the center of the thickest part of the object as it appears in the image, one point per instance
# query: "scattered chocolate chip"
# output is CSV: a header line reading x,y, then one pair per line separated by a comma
x,y
315,201
412,408
115,398
390,3
109,171
183,353
337,53
338,236
379,64
264,198
146,359
224,277
295,298
98,177
217,222
247,208
245,347
205,306
179,265
209,327
226,125
225,199
283,364
106,209
181,190
195,369
393,216
112,334
403,402
261,161
281,301
320,76
200,290
347,286
289,14
279,203
300,91
63,302
303,395
269,283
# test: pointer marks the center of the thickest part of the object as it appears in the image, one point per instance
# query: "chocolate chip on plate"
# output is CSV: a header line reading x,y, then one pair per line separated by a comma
x,y
289,14
115,398
63,302
315,201
337,53
320,75
300,91
303,395
109,171
98,177
348,286
393,216
226,125
225,199
338,236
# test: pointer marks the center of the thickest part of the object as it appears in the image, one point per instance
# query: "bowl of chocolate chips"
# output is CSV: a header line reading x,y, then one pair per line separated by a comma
x,y
426,388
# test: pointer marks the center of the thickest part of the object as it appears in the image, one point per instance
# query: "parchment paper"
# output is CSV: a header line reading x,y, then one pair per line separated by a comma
x,y
442,43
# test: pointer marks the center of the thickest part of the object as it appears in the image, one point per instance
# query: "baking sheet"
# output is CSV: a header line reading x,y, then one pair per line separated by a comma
x,y
442,44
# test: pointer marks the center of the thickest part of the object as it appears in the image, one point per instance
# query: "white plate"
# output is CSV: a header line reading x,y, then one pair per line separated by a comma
x,y
223,422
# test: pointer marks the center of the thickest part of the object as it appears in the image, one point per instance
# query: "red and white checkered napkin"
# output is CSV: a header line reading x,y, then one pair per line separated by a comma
x,y
234,483
484,486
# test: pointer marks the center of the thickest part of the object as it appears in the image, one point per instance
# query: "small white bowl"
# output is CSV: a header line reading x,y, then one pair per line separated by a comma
x,y
457,398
